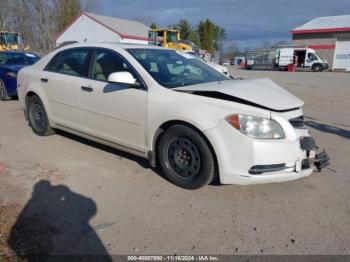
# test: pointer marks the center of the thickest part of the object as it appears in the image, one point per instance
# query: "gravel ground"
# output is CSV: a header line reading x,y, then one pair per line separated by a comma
x,y
80,197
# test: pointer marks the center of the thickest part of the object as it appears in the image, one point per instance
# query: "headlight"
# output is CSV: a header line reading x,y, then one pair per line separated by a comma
x,y
256,127
11,74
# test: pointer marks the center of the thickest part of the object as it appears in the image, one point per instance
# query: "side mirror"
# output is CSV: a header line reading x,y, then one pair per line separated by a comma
x,y
122,78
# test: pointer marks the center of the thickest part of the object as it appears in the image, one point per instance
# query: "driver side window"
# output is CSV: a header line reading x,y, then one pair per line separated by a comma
x,y
105,63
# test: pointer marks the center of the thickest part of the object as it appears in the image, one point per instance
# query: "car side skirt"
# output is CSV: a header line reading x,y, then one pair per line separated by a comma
x,y
102,141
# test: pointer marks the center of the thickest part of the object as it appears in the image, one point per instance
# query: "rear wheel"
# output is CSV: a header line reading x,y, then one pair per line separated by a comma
x,y
3,92
185,158
38,118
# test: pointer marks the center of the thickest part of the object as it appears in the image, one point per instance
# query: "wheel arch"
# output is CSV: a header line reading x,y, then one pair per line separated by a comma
x,y
316,64
152,154
31,93
26,101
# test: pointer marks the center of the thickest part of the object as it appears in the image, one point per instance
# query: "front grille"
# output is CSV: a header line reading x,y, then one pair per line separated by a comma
x,y
297,122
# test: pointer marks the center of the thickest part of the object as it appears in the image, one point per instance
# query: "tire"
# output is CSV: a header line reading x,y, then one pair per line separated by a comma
x,y
317,68
3,92
185,158
37,117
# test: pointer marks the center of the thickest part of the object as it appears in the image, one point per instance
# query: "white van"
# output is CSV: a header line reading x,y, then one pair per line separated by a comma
x,y
301,56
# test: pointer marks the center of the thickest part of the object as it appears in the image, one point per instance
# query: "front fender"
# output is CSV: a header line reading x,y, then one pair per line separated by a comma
x,y
200,112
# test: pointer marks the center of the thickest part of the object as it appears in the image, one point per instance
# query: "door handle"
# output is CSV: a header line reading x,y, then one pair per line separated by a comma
x,y
44,80
87,89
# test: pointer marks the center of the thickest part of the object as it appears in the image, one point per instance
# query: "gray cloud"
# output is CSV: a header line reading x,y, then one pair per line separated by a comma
x,y
245,21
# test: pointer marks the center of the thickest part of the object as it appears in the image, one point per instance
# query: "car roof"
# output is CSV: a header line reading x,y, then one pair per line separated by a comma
x,y
112,46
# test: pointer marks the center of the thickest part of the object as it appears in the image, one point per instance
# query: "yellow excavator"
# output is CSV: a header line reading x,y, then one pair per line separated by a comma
x,y
169,38
11,41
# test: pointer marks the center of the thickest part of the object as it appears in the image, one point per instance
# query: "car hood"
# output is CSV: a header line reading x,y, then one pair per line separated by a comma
x,y
218,67
13,68
263,93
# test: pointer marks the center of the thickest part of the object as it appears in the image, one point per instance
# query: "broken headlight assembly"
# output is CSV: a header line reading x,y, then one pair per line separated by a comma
x,y
256,127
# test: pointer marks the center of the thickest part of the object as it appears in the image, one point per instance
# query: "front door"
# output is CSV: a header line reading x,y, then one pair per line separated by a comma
x,y
114,112
310,59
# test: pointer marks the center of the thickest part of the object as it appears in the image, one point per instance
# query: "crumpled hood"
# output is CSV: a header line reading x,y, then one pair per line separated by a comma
x,y
257,92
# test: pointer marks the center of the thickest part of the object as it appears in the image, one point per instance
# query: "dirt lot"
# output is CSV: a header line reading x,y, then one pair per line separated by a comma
x,y
76,196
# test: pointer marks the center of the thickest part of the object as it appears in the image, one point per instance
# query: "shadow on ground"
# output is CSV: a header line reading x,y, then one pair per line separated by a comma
x,y
328,129
144,163
55,222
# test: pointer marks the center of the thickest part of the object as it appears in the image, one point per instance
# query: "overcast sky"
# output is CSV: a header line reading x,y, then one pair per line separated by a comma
x,y
247,22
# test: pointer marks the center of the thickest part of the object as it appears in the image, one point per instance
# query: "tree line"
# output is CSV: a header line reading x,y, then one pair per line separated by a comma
x,y
206,35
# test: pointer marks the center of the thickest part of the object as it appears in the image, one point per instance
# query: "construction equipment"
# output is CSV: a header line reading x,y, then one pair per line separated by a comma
x,y
169,38
11,41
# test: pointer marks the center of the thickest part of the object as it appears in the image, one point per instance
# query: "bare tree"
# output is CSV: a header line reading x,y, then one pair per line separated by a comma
x,y
232,51
67,11
4,14
39,21
19,19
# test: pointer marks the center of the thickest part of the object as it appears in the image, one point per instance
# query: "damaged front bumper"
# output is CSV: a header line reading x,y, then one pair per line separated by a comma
x,y
243,160
319,160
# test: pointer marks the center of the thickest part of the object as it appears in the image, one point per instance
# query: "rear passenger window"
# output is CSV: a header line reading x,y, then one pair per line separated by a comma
x,y
70,62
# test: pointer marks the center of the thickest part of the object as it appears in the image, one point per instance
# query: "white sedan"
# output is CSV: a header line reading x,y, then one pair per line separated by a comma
x,y
194,122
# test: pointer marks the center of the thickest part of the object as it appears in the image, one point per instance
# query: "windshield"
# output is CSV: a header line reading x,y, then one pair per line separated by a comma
x,y
11,38
18,58
319,57
171,37
172,69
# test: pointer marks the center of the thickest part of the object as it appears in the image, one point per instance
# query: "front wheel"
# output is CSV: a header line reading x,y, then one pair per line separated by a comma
x,y
317,68
185,158
38,120
3,92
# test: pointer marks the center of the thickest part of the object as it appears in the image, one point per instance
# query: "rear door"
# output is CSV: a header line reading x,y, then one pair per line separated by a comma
x,y
286,56
62,80
114,112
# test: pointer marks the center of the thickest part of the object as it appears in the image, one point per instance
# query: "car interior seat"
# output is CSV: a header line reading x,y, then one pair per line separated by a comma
x,y
107,65
71,66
